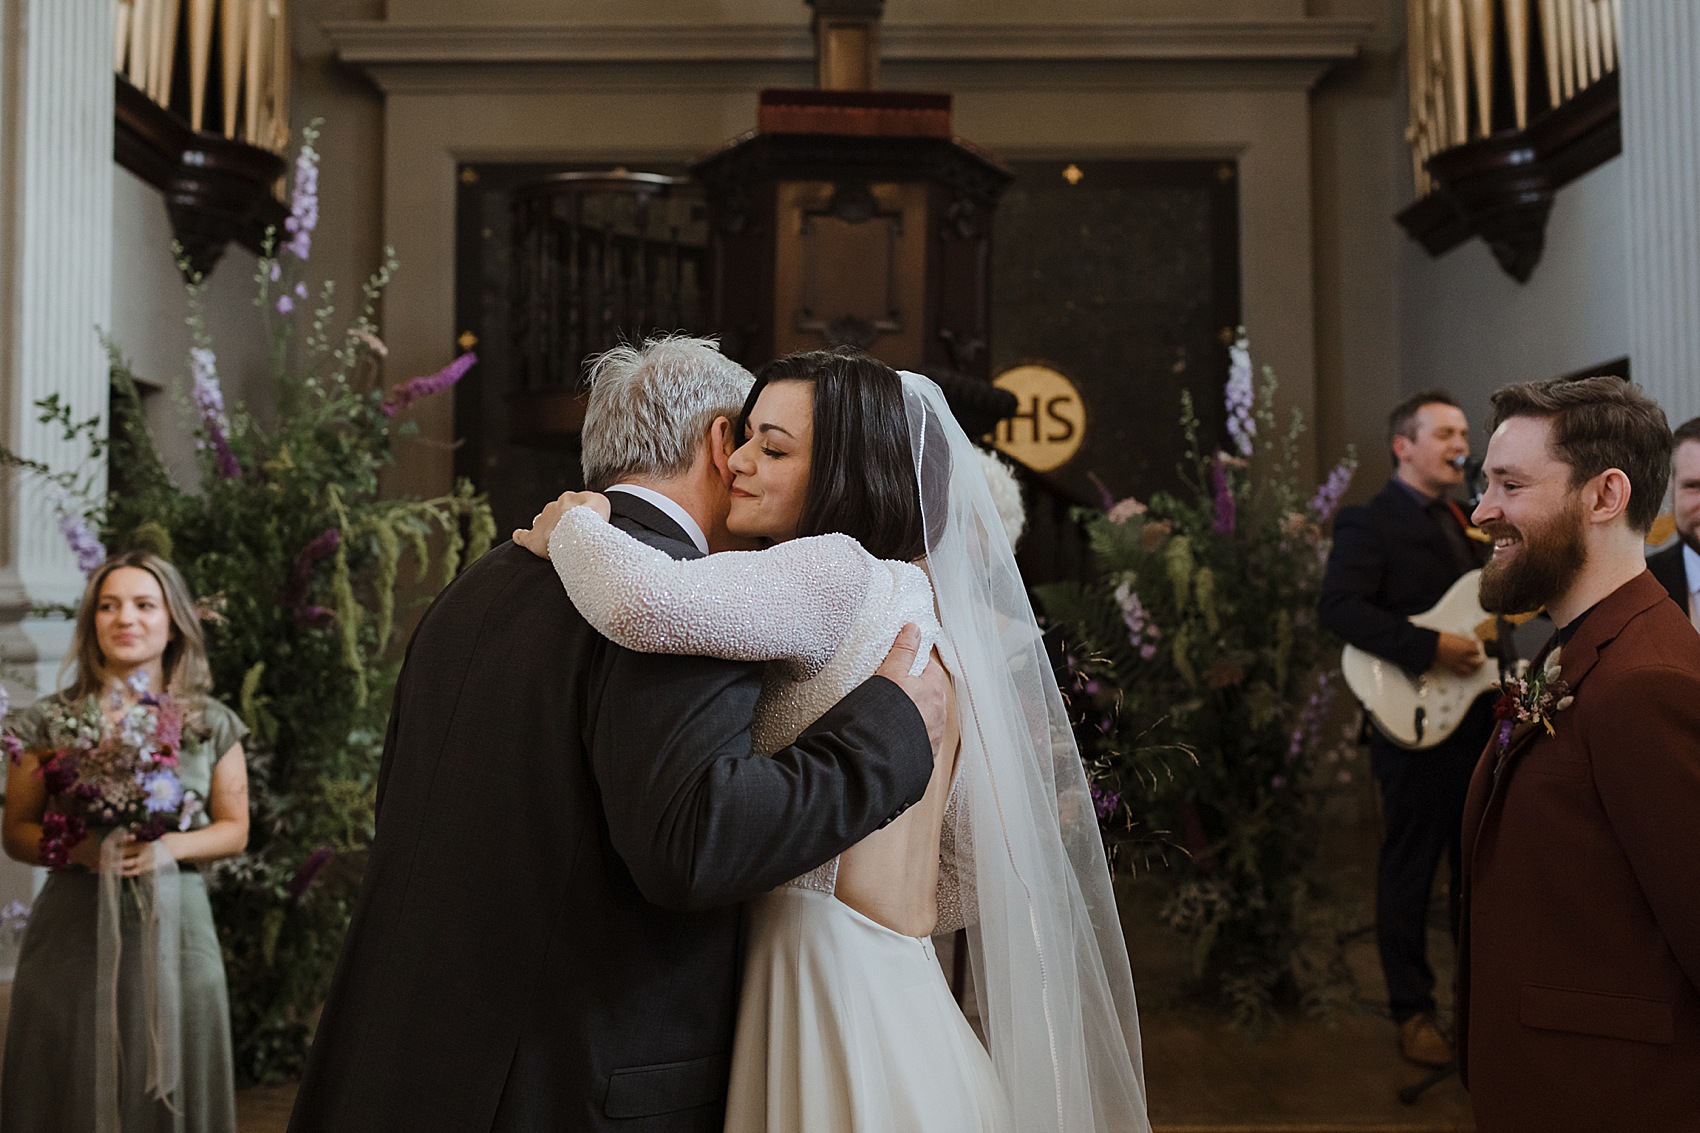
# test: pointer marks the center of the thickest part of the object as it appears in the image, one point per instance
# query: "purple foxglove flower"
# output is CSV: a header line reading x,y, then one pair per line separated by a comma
x,y
1225,513
413,389
285,304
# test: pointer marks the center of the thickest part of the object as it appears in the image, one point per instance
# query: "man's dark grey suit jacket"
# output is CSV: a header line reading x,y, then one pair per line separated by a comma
x,y
547,937
1667,566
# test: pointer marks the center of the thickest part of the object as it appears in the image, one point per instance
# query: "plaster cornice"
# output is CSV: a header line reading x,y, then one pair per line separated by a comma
x,y
467,56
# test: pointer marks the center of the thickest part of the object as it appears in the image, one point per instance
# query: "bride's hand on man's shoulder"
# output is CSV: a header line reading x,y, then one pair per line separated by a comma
x,y
536,537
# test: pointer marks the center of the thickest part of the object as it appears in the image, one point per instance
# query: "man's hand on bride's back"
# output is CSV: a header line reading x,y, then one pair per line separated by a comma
x,y
928,691
536,537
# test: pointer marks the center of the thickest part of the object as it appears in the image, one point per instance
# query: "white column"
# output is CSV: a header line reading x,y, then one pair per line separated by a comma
x,y
55,289
1661,153
55,296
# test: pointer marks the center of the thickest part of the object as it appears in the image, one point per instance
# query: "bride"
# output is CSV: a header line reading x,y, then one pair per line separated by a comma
x,y
878,514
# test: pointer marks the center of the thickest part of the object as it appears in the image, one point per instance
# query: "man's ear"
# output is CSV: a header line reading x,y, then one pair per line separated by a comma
x,y
1607,495
722,443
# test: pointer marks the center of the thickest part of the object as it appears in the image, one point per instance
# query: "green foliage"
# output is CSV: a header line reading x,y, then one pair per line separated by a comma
x,y
297,563
1199,681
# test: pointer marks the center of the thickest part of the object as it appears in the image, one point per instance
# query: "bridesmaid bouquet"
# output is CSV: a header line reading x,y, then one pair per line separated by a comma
x,y
122,774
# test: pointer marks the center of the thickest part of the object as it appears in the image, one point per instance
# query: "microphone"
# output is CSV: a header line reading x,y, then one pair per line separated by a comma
x,y
1472,470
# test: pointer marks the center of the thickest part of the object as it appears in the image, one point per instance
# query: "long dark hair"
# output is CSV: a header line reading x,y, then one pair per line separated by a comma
x,y
861,473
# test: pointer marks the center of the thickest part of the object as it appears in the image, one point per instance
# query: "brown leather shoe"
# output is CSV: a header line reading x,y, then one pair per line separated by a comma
x,y
1421,1042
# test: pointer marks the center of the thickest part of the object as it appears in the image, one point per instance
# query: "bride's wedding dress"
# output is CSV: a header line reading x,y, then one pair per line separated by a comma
x,y
844,1024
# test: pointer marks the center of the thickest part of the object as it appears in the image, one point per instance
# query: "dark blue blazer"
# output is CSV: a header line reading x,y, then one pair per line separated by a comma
x,y
1389,561
548,933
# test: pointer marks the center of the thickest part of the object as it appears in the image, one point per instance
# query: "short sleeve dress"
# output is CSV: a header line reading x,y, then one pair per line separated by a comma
x,y
47,1084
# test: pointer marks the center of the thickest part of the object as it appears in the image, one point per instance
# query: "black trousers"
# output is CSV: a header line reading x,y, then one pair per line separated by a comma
x,y
1422,802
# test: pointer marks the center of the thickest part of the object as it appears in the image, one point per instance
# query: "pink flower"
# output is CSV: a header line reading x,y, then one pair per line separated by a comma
x,y
413,389
1124,510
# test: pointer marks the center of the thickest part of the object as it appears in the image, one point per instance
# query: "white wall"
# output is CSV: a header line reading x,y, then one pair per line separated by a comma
x,y
1468,327
149,313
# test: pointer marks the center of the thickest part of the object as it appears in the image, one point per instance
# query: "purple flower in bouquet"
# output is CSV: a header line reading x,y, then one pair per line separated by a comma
x,y
1226,516
164,791
303,201
1104,801
1238,396
60,832
413,389
1326,502
59,773
309,872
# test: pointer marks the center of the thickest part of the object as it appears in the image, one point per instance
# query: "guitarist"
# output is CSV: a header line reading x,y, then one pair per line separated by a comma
x,y
1394,557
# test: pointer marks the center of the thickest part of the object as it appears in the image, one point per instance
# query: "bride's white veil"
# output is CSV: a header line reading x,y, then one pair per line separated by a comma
x,y
1049,964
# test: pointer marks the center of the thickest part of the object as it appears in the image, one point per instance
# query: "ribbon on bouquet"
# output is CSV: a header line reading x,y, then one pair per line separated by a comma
x,y
158,893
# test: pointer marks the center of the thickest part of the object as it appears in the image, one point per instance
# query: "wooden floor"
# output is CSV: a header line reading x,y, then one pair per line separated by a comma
x,y
1339,1075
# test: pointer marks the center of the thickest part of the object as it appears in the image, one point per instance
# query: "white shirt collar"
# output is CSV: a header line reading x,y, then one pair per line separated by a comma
x,y
672,510
1691,563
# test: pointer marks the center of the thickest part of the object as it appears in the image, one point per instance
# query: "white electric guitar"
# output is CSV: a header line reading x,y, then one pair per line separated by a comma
x,y
1420,712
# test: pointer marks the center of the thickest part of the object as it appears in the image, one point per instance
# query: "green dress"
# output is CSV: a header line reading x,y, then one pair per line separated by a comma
x,y
47,1084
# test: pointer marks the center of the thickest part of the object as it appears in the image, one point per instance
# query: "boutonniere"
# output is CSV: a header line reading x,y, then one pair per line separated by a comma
x,y
1531,699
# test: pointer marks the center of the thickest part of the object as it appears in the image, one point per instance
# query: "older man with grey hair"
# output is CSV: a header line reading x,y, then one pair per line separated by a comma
x,y
547,936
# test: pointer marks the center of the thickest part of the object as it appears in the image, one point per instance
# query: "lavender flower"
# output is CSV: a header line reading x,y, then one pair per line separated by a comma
x,y
1238,396
1225,510
303,200
1104,801
413,389
89,550
285,304
1326,502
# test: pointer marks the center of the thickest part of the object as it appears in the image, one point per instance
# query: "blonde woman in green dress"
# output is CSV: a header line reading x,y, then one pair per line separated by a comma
x,y
83,1052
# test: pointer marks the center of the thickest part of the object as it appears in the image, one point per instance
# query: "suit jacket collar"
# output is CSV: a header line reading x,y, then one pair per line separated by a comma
x,y
1577,658
641,512
1607,620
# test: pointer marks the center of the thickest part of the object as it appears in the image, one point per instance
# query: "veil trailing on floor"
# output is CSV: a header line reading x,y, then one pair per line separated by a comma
x,y
1045,945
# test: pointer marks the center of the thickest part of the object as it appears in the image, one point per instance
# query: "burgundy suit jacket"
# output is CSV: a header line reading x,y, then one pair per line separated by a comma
x,y
1579,958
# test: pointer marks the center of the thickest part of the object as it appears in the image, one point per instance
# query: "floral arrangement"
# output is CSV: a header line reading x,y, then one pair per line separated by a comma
x,y
1533,697
298,561
118,775
1201,686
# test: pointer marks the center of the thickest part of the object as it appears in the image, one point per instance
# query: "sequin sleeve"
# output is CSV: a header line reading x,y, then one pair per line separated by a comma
x,y
793,602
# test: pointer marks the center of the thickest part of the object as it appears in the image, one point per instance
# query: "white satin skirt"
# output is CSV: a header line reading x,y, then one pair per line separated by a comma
x,y
846,1026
